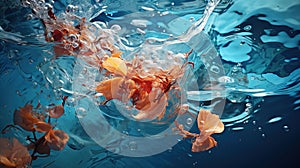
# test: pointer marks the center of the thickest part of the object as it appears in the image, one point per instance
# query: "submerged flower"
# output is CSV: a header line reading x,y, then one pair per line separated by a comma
x,y
56,111
147,91
56,139
53,139
13,153
208,124
26,119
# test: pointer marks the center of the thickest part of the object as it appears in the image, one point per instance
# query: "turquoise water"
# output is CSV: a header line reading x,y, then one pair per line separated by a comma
x,y
246,69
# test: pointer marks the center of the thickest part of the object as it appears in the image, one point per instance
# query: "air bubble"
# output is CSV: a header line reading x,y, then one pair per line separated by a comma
x,y
35,84
189,121
81,112
248,27
195,163
192,19
31,61
259,128
70,101
30,17
263,135
72,38
132,146
75,45
116,28
286,128
71,8
215,69
18,93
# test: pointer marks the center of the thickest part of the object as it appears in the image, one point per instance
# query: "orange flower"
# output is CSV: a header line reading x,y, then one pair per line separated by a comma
x,y
208,124
25,119
56,139
13,154
56,111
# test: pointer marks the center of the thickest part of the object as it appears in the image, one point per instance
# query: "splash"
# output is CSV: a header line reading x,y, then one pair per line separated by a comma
x,y
139,81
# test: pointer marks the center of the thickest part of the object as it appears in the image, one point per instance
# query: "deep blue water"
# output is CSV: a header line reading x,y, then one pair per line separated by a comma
x,y
256,41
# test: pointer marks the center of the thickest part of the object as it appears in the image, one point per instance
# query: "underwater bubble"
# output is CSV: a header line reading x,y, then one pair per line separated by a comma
x,y
81,112
237,128
189,121
35,84
286,128
254,122
18,93
195,163
259,128
71,8
190,155
215,69
248,27
192,19
263,135
30,17
132,146
75,45
70,101
116,28
275,119
226,79
72,38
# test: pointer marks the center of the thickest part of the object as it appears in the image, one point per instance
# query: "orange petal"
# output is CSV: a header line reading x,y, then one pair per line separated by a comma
x,y
115,65
56,111
116,54
199,145
13,153
24,118
157,106
56,139
4,161
209,123
42,126
105,87
186,134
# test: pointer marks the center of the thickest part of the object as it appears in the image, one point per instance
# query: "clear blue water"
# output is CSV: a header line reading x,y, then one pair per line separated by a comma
x,y
258,45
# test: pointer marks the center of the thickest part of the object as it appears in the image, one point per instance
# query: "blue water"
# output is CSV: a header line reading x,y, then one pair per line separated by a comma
x,y
257,42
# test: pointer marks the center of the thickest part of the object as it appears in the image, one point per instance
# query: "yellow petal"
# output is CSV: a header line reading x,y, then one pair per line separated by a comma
x,y
115,65
209,123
